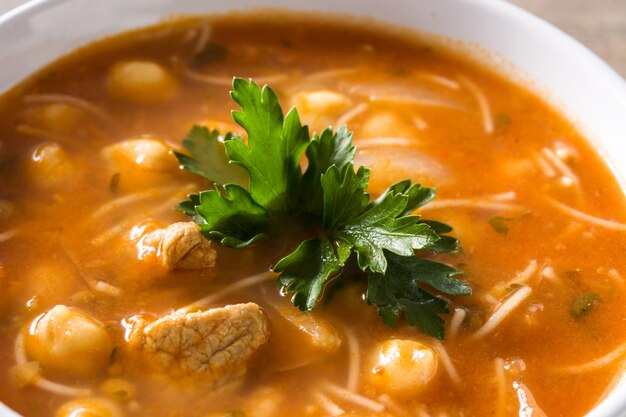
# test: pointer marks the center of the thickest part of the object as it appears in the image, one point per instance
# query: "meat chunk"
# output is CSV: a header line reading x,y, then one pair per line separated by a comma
x,y
180,245
209,347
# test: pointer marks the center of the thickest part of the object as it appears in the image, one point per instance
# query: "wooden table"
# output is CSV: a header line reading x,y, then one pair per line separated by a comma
x,y
599,24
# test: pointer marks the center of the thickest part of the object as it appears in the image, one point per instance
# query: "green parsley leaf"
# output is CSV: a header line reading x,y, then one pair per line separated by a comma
x,y
445,244
418,195
344,194
434,274
398,291
383,226
231,216
189,206
325,150
308,268
207,157
272,154
331,198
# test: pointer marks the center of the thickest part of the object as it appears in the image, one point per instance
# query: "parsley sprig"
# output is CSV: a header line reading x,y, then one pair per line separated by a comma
x,y
382,234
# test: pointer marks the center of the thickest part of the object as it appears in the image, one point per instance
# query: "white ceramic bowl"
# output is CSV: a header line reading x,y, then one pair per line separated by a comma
x,y
589,92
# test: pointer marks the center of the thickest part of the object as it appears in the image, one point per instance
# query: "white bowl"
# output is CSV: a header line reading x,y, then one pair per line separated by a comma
x,y
588,91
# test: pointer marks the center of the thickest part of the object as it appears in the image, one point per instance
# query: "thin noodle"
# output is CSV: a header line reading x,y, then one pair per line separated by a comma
x,y
322,75
366,143
524,276
490,299
500,388
595,364
111,232
228,81
560,165
545,166
391,405
503,311
18,350
357,399
354,351
455,322
440,80
70,101
472,203
242,283
409,100
447,362
61,389
352,113
203,38
164,208
483,103
119,228
579,215
328,405
39,133
9,234
130,199
507,196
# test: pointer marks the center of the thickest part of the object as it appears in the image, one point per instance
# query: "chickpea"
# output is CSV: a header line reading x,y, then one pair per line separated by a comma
x,y
264,402
142,82
89,407
144,153
320,108
55,117
68,342
51,280
49,166
402,367
386,124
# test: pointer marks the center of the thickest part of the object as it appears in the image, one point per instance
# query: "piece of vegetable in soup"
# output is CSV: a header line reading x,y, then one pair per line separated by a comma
x,y
417,236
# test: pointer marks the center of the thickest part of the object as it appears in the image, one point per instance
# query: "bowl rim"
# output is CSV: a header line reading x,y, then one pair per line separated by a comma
x,y
614,403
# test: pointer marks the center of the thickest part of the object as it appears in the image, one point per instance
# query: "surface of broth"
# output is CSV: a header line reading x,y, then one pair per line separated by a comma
x,y
512,177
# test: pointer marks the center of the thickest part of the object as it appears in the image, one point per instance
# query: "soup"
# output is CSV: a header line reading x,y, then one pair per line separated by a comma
x,y
116,304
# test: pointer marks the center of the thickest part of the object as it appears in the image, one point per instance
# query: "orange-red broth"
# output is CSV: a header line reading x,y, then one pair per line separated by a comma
x,y
418,116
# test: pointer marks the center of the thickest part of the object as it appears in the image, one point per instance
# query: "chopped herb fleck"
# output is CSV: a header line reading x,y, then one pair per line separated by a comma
x,y
114,183
113,354
584,304
501,122
499,224
572,274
